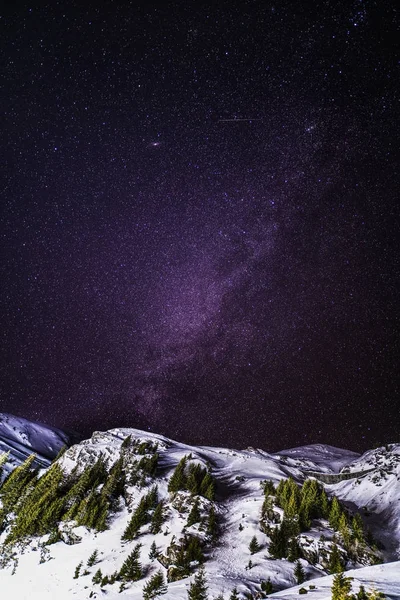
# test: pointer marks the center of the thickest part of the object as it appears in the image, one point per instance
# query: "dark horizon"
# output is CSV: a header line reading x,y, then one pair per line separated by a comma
x,y
200,226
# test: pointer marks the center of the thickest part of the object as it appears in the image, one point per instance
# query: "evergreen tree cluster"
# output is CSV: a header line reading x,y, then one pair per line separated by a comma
x,y
190,550
341,590
300,506
34,505
193,478
142,515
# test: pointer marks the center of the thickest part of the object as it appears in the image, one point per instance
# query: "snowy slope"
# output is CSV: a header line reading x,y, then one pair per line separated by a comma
x,y
21,438
377,495
239,500
385,578
320,457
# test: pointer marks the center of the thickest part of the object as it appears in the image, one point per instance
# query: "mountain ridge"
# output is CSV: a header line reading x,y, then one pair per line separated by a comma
x,y
240,477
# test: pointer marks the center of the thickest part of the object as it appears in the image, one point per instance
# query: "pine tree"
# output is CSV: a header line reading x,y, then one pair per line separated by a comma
x,y
15,484
114,486
194,479
152,498
267,587
194,515
293,504
335,561
299,573
324,502
278,547
131,569
207,487
92,560
362,594
139,518
157,519
344,530
357,528
78,570
341,587
212,525
198,589
154,552
234,595
60,453
97,577
294,550
335,514
254,546
155,586
178,479
126,443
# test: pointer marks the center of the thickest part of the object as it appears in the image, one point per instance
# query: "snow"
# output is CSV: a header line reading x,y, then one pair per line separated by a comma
x,y
320,457
385,578
240,497
21,438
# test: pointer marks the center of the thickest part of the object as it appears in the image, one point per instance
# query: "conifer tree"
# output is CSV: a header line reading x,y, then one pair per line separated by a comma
x,y
13,488
157,519
126,443
131,569
154,552
254,546
41,507
357,528
114,485
3,459
293,505
78,570
60,453
155,586
335,514
344,530
207,487
294,550
92,560
194,550
324,502
212,525
139,518
97,577
362,594
341,587
194,479
278,545
198,589
267,587
335,561
234,595
178,479
194,515
267,506
299,573
268,487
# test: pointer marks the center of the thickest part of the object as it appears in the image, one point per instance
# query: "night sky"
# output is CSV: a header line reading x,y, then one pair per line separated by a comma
x,y
199,217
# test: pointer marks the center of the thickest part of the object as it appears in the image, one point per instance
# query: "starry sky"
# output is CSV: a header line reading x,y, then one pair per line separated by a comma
x,y
199,219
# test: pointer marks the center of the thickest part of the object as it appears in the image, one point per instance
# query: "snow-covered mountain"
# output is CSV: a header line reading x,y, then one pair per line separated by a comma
x,y
21,438
243,510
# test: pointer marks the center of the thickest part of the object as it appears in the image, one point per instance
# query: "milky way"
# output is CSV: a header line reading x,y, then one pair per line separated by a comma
x,y
200,219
